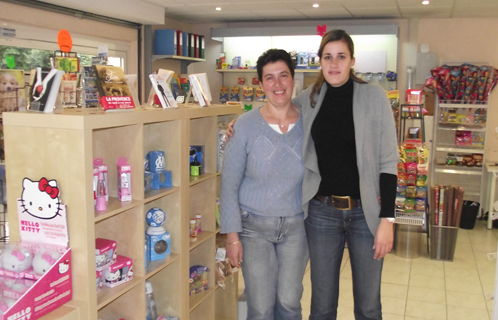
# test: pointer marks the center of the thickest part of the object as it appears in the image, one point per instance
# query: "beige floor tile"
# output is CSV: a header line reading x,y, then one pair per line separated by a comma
x,y
459,313
486,266
418,280
490,305
345,313
463,247
465,300
394,290
412,318
425,310
463,285
393,305
461,262
346,300
433,270
461,273
388,316
426,295
487,281
396,265
396,278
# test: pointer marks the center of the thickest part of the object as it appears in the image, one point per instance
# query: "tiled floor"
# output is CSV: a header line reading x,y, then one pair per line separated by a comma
x,y
423,289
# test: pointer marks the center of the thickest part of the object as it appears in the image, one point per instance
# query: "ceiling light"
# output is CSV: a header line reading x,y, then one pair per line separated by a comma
x,y
316,5
218,8
425,2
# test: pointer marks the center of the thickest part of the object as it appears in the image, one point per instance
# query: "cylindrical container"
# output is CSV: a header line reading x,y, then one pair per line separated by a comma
x,y
198,218
150,302
409,77
408,241
193,230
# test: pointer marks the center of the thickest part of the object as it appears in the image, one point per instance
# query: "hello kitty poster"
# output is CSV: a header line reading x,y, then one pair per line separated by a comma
x,y
41,213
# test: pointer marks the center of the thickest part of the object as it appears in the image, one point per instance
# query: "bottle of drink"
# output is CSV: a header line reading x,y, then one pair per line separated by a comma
x,y
150,302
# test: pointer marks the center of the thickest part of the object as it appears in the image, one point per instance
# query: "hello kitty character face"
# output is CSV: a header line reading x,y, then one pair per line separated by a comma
x,y
40,198
43,261
111,277
100,259
63,266
130,273
17,260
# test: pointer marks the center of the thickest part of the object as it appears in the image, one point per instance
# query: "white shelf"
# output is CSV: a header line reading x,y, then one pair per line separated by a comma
x,y
473,171
463,106
467,149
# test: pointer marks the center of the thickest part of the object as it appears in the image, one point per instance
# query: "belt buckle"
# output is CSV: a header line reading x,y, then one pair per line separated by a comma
x,y
343,198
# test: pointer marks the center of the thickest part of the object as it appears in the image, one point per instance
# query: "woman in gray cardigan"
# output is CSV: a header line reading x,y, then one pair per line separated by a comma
x,y
349,188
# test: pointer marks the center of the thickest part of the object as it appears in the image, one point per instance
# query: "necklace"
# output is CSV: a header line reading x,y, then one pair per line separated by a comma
x,y
281,123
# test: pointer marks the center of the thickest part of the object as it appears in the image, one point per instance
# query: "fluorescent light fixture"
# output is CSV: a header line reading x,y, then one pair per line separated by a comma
x,y
316,5
218,8
425,2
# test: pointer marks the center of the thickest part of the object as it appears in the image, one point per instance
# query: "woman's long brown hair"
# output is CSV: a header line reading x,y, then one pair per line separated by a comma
x,y
333,35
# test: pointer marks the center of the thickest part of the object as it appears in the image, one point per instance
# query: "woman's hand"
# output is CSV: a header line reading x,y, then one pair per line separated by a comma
x,y
384,237
234,249
230,130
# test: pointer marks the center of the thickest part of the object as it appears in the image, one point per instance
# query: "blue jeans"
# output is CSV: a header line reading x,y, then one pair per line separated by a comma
x,y
327,229
275,255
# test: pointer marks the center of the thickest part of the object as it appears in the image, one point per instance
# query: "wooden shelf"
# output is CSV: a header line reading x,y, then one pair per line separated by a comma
x,y
255,70
107,295
77,136
174,57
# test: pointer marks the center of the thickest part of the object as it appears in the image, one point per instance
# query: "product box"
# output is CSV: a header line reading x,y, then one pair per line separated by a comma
x,y
119,272
105,252
159,244
124,180
161,180
314,60
53,287
98,282
99,164
303,59
414,96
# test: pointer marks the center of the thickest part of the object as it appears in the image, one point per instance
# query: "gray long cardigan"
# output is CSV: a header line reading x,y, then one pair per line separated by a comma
x,y
376,145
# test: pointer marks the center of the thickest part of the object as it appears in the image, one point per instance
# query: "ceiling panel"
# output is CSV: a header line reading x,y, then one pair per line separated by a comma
x,y
305,5
375,12
325,14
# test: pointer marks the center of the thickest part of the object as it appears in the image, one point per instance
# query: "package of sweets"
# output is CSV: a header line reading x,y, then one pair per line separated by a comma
x,y
411,191
463,138
460,118
421,192
423,154
455,75
480,116
241,81
421,180
401,167
400,202
411,168
260,95
402,179
478,157
420,204
411,179
401,190
409,204
477,139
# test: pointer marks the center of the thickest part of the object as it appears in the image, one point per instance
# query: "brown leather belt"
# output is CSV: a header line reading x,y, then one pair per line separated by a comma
x,y
339,202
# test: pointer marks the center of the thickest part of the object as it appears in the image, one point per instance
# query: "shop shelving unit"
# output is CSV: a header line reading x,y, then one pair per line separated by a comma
x,y
470,178
62,147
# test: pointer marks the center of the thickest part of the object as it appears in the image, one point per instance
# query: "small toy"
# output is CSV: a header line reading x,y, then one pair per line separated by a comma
x,y
17,259
44,260
157,237
314,60
260,95
302,59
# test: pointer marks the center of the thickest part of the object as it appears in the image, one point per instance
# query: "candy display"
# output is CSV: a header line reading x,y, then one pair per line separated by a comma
x,y
466,84
411,191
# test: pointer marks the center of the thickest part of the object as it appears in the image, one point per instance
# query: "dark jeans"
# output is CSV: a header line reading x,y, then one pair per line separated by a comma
x,y
327,230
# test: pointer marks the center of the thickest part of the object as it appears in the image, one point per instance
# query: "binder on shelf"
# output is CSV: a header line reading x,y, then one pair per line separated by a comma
x,y
165,42
191,47
179,42
185,48
202,46
196,46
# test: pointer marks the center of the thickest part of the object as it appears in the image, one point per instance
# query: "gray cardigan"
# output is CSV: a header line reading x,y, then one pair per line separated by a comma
x,y
376,145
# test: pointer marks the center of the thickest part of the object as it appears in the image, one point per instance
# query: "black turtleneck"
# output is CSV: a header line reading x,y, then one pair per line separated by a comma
x,y
333,134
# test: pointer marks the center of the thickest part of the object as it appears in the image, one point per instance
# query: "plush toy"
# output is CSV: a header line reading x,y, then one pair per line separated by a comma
x,y
17,260
44,260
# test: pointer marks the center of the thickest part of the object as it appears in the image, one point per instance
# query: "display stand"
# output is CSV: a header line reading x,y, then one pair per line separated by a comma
x,y
63,146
